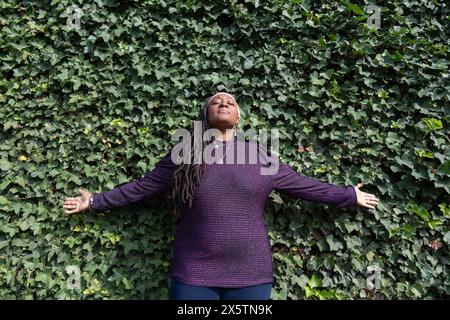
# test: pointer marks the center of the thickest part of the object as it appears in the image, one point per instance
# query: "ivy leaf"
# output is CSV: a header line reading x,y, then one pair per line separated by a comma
x,y
447,237
248,63
315,281
3,200
355,8
129,245
421,212
445,168
315,80
334,244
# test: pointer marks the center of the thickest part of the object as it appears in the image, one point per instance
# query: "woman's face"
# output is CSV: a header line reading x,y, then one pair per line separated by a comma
x,y
222,112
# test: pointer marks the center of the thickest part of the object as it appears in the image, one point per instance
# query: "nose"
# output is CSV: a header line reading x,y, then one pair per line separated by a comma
x,y
223,103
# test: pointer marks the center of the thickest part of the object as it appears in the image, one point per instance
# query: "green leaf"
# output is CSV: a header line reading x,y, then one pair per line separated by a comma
x,y
423,153
323,245
421,212
445,208
298,261
126,283
23,225
355,8
315,80
3,201
447,237
309,292
432,124
5,165
445,168
370,255
129,245
248,63
435,223
315,281
334,244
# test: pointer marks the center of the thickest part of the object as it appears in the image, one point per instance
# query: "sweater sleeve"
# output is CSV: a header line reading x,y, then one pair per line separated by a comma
x,y
287,180
151,184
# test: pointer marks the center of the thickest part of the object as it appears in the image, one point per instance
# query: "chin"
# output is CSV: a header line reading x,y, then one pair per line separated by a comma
x,y
223,118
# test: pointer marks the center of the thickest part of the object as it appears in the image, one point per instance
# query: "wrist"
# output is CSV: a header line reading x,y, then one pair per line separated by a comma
x,y
91,202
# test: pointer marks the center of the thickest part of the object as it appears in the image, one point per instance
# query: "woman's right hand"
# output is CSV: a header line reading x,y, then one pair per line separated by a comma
x,y
77,205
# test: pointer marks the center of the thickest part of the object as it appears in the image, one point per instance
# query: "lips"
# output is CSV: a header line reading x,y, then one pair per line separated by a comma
x,y
223,111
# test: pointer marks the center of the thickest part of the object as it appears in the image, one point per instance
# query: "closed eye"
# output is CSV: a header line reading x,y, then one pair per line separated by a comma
x,y
231,102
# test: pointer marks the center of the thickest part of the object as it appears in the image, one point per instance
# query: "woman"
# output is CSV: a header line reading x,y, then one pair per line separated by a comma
x,y
221,247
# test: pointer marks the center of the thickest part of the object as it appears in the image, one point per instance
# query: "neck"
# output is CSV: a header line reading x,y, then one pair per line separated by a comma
x,y
226,135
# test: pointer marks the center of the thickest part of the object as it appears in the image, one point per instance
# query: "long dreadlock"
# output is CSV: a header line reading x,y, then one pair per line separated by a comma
x,y
188,175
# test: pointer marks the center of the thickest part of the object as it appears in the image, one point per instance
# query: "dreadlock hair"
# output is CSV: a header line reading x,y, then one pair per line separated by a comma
x,y
188,175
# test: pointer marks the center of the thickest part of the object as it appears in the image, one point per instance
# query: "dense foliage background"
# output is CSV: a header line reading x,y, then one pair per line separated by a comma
x,y
95,107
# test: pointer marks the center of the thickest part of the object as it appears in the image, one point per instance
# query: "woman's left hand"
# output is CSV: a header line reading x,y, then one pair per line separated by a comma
x,y
365,199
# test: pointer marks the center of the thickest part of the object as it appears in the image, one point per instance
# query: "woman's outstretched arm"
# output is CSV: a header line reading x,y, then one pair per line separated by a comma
x,y
289,181
151,184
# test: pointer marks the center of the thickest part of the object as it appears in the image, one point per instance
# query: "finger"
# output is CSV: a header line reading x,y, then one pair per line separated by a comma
x,y
374,203
70,203
74,198
370,195
68,212
365,203
73,210
373,198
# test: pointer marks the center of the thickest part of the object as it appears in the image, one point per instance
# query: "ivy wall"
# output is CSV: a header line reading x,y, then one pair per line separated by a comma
x,y
94,105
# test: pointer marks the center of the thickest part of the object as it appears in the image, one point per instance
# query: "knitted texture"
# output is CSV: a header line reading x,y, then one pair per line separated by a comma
x,y
222,239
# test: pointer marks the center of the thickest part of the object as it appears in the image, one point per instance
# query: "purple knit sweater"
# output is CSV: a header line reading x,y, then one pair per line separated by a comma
x,y
222,240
